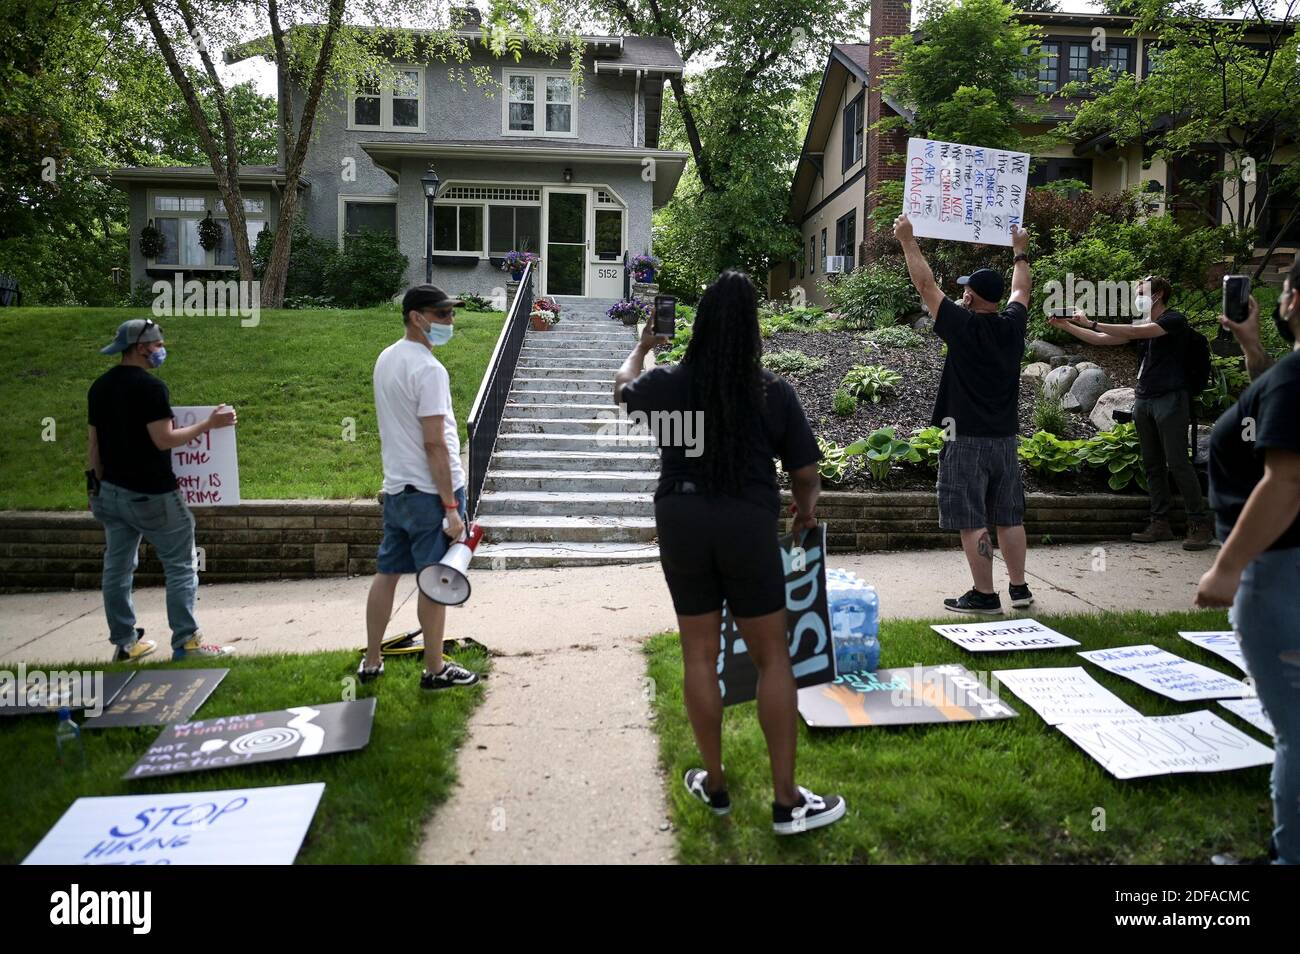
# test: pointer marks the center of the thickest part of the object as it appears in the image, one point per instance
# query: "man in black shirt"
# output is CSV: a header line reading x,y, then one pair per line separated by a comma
x,y
1162,411
1255,493
977,406
133,491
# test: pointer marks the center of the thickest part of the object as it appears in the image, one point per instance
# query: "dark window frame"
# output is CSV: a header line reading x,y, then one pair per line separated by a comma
x,y
846,236
1064,45
852,138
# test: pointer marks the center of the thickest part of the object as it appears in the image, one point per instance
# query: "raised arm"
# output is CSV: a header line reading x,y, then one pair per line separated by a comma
x,y
918,269
1021,285
1071,325
1247,335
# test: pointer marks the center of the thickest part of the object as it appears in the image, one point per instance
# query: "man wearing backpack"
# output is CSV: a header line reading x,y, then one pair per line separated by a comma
x,y
1175,363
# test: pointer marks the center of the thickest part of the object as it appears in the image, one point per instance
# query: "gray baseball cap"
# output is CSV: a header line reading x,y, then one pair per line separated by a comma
x,y
133,332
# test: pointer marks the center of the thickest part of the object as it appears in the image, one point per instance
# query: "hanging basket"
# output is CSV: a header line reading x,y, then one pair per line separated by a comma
x,y
152,241
209,233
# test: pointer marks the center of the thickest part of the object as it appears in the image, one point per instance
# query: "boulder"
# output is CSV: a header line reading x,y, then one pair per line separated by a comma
x,y
923,323
1035,372
1058,361
1041,350
1103,412
1058,382
1090,385
1083,366
1073,359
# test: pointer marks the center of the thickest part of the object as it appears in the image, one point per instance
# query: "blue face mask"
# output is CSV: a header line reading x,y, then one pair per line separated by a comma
x,y
156,358
438,334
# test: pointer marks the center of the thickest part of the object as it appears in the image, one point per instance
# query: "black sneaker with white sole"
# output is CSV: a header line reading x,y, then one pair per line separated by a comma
x,y
813,811
1020,595
451,675
696,781
973,601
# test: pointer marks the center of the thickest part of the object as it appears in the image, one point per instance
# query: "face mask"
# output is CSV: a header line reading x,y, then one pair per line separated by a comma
x,y
156,358
1143,304
1283,326
438,334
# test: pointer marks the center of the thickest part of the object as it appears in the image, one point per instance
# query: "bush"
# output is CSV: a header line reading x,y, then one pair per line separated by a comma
x,y
872,381
926,445
794,363
681,339
882,449
837,462
1228,378
1047,455
371,269
1117,452
872,296
310,258
845,403
475,303
896,336
1049,415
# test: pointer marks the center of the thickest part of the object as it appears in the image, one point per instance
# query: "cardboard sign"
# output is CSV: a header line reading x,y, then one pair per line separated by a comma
x,y
1166,745
1003,636
1252,710
159,698
262,737
904,696
91,691
1171,676
245,826
1065,694
207,468
964,193
1224,645
808,627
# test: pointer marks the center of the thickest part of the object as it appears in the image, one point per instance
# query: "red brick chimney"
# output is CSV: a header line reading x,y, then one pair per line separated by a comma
x,y
889,18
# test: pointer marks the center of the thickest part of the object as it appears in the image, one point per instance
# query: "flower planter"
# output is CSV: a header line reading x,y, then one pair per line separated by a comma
x,y
646,277
517,276
539,323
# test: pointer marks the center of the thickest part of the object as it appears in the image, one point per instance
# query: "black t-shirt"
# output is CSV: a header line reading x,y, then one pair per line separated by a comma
x,y
980,386
123,402
781,430
1162,358
1268,410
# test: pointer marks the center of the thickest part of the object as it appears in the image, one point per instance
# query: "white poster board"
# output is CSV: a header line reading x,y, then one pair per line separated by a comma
x,y
1003,636
964,193
1224,645
1166,745
244,826
1065,694
1252,710
207,468
1166,674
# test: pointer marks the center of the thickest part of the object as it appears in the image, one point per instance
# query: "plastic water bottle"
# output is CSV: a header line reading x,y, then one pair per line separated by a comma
x,y
853,607
67,738
871,638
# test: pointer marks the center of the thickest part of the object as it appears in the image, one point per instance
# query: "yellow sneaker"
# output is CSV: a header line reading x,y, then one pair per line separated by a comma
x,y
195,648
136,651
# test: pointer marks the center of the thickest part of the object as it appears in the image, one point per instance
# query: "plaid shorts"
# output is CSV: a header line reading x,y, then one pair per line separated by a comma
x,y
979,483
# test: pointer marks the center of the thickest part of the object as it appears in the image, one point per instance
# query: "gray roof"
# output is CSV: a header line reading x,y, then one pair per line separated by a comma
x,y
857,53
647,52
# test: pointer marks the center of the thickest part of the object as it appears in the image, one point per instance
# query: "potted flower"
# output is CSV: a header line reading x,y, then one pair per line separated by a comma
x,y
547,304
629,311
152,241
542,318
516,262
643,266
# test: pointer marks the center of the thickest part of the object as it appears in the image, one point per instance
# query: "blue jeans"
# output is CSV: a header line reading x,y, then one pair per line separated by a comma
x,y
165,521
1266,617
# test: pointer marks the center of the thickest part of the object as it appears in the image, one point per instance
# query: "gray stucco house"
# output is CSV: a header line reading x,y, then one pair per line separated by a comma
x,y
536,163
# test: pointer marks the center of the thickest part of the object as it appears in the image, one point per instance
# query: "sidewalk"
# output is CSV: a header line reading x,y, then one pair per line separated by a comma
x,y
566,722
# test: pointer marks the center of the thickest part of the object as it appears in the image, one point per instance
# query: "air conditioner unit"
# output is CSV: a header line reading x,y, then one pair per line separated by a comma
x,y
836,264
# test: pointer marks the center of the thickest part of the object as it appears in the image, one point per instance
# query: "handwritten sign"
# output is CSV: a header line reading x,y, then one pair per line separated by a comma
x,y
964,193
246,826
1225,645
903,696
207,468
1171,676
1003,636
1252,710
1166,745
1064,694
159,698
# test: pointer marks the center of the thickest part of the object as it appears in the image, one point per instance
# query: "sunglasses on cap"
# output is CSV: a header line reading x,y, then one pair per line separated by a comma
x,y
148,323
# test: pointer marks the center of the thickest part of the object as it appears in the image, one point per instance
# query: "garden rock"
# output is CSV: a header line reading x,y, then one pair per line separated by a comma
x,y
1035,372
1083,366
1103,412
923,323
1042,350
1058,361
1074,359
1090,385
1058,382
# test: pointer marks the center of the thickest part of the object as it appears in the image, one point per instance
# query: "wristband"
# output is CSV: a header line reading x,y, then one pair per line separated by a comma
x,y
1020,257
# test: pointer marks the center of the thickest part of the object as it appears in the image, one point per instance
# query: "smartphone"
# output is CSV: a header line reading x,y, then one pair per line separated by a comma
x,y
1236,297
665,317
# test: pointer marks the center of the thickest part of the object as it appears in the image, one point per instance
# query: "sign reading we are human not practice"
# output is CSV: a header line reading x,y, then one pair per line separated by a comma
x,y
964,193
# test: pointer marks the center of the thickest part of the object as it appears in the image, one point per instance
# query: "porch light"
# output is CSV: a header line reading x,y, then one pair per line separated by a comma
x,y
568,175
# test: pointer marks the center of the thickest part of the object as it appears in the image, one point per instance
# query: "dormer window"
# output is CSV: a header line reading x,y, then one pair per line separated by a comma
x,y
537,104
394,103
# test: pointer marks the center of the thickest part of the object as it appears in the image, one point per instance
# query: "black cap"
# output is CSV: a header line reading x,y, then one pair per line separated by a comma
x,y
984,282
427,296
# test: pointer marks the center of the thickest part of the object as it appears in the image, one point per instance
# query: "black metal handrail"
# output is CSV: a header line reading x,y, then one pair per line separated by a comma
x,y
627,279
485,416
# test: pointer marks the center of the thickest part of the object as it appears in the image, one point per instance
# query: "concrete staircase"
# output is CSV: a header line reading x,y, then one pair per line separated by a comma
x,y
568,484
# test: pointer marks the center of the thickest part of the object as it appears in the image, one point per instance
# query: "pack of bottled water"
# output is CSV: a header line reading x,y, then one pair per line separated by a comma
x,y
855,621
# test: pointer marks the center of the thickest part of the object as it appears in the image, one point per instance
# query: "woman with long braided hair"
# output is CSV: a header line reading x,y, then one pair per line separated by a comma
x,y
720,420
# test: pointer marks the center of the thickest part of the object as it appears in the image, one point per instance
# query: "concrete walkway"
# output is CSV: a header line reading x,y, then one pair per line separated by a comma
x,y
566,722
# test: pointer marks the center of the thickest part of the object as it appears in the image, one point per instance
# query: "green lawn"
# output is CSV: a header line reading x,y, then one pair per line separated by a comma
x,y
293,378
1014,790
376,800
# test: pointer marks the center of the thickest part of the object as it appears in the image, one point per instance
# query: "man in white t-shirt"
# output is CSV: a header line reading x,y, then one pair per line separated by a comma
x,y
424,483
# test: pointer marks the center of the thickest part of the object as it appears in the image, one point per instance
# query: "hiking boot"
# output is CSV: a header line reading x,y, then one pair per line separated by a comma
x,y
696,781
196,649
811,811
1156,531
451,675
1020,595
137,650
973,601
1199,535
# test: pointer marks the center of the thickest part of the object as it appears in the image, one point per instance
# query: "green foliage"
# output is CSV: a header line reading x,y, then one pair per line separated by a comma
x,y
882,449
1049,415
792,362
926,443
837,462
895,336
370,269
873,296
845,403
475,303
1117,452
1047,455
1228,378
310,260
872,381
681,338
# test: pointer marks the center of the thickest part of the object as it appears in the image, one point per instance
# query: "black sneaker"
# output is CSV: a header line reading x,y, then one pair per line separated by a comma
x,y
1020,596
719,802
451,675
973,601
813,811
366,674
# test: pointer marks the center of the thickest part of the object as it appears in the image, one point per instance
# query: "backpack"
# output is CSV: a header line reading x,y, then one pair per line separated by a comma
x,y
1196,362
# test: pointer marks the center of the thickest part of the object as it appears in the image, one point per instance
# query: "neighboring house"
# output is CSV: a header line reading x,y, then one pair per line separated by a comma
x,y
843,160
569,171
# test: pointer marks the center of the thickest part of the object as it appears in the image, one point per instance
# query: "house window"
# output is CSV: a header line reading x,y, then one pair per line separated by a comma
x,y
1078,63
791,275
1049,68
823,244
812,255
513,228
1044,171
851,148
846,239
371,216
458,228
180,228
393,103
609,234
525,92
1282,204
1116,58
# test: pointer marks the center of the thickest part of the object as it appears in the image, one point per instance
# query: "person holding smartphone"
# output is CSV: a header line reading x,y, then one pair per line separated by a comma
x,y
1255,494
717,508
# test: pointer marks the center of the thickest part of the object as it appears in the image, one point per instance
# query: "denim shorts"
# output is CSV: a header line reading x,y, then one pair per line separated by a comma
x,y
413,534
979,483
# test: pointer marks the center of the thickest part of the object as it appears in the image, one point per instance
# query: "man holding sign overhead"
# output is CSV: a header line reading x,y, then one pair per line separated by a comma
x,y
977,406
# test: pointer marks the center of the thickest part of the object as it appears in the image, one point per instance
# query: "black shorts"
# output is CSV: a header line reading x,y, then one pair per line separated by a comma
x,y
716,548
979,483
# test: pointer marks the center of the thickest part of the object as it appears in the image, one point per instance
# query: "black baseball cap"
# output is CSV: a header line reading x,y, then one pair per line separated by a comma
x,y
984,282
427,296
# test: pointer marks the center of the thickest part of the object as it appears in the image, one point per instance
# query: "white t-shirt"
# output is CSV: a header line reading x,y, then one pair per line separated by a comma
x,y
410,383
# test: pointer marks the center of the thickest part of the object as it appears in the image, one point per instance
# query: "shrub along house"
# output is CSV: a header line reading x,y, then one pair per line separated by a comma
x,y
843,160
570,170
